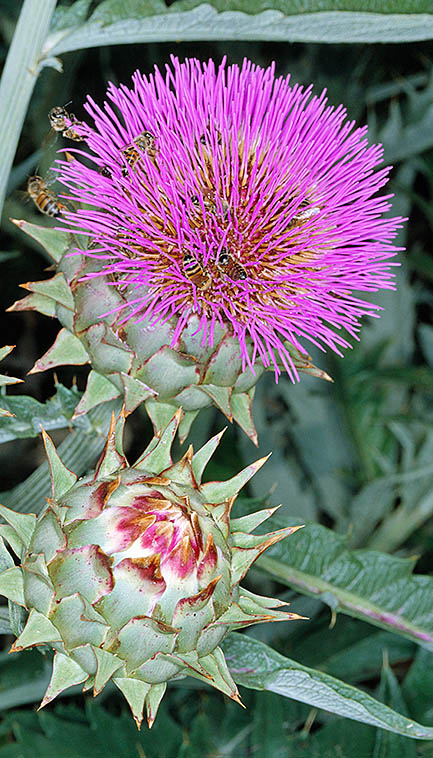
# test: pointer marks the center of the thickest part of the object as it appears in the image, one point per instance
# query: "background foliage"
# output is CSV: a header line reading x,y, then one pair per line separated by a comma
x,y
352,459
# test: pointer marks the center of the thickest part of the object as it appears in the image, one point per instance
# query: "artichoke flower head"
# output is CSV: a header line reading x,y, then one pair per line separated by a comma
x,y
219,218
132,573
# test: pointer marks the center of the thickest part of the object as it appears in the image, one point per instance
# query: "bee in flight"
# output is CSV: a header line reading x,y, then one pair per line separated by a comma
x,y
196,273
58,116
229,266
43,198
145,142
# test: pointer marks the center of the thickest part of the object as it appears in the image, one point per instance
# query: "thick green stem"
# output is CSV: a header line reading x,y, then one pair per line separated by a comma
x,y
349,601
19,77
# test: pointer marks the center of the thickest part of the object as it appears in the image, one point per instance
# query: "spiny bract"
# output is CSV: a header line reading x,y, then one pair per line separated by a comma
x,y
137,360
132,573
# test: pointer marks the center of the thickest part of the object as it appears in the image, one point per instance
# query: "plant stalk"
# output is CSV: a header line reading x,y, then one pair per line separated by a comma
x,y
19,78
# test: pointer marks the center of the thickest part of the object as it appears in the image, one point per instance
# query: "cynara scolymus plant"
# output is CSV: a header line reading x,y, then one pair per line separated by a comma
x,y
213,222
132,573
222,220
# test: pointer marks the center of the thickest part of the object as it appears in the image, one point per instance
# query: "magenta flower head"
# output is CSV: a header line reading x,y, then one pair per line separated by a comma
x,y
229,219
227,194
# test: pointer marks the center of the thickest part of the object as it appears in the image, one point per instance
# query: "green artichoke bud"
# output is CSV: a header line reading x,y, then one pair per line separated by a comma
x,y
137,360
131,574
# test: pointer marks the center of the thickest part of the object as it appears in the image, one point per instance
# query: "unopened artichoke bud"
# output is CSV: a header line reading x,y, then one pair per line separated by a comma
x,y
132,573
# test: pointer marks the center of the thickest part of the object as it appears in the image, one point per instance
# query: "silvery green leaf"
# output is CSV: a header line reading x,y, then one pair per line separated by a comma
x,y
258,666
366,584
115,22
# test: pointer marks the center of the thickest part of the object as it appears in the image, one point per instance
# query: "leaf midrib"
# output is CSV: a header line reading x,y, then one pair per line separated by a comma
x,y
348,602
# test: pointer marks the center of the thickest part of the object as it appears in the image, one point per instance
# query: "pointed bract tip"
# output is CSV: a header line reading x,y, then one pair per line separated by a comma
x,y
261,462
112,457
45,438
177,416
294,529
188,455
281,534
174,422
237,698
153,701
274,509
17,221
23,304
218,437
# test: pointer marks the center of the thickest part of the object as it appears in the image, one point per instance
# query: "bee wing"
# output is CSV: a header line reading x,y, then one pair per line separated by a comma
x,y
50,139
307,213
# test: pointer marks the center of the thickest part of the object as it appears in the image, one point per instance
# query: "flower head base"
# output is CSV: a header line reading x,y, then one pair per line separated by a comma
x,y
232,197
132,573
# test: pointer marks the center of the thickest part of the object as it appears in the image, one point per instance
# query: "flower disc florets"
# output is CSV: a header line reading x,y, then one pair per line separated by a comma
x,y
232,196
132,573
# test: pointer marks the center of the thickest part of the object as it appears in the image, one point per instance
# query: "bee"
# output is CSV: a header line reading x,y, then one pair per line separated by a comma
x,y
145,142
204,138
304,215
230,266
105,171
93,243
196,273
208,200
43,198
58,116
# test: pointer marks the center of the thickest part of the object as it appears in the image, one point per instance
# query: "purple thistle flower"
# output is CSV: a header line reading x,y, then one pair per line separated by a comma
x,y
229,194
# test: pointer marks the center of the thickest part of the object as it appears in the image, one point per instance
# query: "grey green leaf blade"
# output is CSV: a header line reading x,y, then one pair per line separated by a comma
x,y
366,584
255,665
115,22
